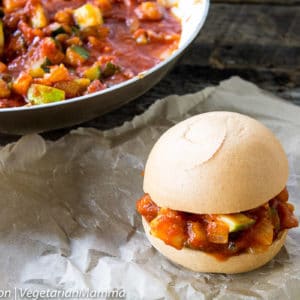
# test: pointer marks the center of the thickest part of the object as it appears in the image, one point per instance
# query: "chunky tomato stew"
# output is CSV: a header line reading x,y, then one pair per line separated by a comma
x,y
220,235
52,50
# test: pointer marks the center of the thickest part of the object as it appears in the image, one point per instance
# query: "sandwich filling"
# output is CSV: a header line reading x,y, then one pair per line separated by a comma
x,y
221,235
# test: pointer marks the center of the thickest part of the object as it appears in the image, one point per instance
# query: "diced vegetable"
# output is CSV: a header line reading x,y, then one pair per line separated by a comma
x,y
93,72
283,195
72,88
29,33
217,232
149,11
3,67
56,28
133,24
88,15
141,36
99,31
38,18
36,72
142,39
1,38
169,229
11,5
40,67
42,81
82,52
83,82
76,55
110,69
75,30
46,65
49,48
21,84
287,218
96,86
42,94
236,222
74,40
4,89
264,231
62,38
196,233
274,218
147,208
168,3
64,16
58,73
6,77
104,5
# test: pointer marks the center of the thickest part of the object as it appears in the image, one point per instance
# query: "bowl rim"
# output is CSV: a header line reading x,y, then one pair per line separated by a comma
x,y
205,5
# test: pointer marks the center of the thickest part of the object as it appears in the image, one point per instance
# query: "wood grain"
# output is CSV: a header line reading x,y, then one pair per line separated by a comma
x,y
258,41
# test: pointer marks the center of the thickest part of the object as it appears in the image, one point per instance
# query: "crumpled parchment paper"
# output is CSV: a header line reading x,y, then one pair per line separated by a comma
x,y
68,218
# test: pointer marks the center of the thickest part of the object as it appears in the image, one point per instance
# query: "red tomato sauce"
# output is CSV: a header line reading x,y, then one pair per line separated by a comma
x,y
206,232
78,47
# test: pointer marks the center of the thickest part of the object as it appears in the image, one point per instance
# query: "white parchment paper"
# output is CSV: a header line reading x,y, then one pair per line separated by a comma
x,y
68,219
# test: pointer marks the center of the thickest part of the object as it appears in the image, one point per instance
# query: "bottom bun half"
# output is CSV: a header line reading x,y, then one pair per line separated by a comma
x,y
200,261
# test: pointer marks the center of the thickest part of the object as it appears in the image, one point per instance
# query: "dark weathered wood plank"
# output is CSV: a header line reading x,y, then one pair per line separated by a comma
x,y
250,37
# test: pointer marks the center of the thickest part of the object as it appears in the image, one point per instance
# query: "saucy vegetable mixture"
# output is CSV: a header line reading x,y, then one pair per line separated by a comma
x,y
220,235
52,50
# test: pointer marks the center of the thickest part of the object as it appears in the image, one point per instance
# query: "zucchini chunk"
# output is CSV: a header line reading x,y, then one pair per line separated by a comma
x,y
39,19
40,67
236,222
42,94
76,55
92,73
88,15
57,29
82,52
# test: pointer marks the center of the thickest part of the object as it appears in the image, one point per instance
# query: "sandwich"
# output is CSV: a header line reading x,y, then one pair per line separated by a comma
x,y
215,194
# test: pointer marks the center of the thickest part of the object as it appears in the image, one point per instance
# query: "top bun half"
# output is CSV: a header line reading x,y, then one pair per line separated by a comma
x,y
217,162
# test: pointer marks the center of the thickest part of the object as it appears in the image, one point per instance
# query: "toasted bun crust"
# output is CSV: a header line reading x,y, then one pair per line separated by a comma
x,y
217,162
200,261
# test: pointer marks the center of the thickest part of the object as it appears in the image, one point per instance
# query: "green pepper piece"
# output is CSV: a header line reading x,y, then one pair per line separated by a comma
x,y
110,69
81,51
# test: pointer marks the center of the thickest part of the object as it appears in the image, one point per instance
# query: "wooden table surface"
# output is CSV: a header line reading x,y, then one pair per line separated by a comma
x,y
258,40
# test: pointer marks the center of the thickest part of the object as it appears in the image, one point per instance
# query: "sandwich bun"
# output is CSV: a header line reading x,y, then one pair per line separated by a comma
x,y
216,162
200,261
